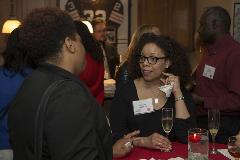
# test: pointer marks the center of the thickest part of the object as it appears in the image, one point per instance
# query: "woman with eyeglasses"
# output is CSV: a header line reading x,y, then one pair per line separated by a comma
x,y
137,106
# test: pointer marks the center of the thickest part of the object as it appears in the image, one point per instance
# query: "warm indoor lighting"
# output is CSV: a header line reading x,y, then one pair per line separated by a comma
x,y
88,24
11,23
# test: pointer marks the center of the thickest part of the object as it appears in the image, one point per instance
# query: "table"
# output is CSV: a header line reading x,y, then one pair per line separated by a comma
x,y
180,150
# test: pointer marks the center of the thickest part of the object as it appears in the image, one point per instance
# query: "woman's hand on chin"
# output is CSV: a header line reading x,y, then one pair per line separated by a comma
x,y
175,80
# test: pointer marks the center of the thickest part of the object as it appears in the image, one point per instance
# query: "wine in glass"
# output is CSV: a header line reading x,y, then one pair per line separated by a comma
x,y
167,120
233,148
213,126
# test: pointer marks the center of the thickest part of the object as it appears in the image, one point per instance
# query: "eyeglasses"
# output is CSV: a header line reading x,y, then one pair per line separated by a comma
x,y
100,31
151,59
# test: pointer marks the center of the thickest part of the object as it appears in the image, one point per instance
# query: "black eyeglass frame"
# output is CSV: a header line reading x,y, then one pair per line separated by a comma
x,y
155,59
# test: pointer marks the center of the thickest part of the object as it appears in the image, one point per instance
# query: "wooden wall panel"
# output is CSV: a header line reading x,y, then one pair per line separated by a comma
x,y
175,18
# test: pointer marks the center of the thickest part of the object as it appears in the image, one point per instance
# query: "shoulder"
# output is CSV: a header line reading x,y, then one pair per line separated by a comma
x,y
126,89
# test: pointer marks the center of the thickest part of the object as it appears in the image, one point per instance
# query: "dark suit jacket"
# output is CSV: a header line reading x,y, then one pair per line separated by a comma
x,y
112,57
75,126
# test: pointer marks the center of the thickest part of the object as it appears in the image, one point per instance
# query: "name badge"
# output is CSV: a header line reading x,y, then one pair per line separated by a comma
x,y
143,106
209,71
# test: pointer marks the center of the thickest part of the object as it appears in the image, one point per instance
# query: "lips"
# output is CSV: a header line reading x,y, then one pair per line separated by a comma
x,y
146,72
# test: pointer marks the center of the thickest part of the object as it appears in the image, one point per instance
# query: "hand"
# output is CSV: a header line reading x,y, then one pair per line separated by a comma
x,y
121,147
154,141
238,139
176,83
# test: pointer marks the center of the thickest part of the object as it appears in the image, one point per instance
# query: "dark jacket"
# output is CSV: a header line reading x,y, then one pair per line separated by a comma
x,y
75,126
122,75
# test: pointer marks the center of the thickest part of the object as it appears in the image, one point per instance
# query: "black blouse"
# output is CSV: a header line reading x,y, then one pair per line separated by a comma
x,y
123,120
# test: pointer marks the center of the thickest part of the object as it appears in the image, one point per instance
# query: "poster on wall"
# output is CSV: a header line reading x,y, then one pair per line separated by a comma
x,y
114,12
236,22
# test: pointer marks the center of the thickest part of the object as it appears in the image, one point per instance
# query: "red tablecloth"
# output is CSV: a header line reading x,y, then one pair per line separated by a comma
x,y
179,150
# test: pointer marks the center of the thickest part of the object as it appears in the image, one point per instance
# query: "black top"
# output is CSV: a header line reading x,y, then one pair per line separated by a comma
x,y
123,121
75,125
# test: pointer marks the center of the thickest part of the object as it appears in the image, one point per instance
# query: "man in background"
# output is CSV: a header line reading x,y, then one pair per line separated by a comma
x,y
111,57
217,75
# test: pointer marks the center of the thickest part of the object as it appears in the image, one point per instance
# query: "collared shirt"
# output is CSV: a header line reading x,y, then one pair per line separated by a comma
x,y
106,67
218,77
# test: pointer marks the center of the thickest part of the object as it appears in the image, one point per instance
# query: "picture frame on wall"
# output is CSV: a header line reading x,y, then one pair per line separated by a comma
x,y
236,22
116,13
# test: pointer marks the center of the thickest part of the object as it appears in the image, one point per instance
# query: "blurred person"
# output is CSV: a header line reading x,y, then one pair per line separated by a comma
x,y
111,56
16,67
217,75
93,73
72,126
156,61
122,73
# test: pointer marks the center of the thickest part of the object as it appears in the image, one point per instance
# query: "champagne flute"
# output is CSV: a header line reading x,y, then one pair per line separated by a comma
x,y
233,148
213,126
167,120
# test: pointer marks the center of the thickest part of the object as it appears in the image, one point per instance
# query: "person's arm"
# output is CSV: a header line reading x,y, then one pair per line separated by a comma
x,y
180,106
238,139
124,145
184,107
181,126
118,114
70,130
153,141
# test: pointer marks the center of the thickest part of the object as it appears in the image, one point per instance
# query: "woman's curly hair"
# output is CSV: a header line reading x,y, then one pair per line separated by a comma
x,y
175,53
43,33
15,57
89,43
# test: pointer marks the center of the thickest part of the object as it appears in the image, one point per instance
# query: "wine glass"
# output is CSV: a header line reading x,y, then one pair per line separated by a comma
x,y
233,148
167,120
213,126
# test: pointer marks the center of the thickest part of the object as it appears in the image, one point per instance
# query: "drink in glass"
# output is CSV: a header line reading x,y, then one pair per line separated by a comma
x,y
167,120
213,126
198,144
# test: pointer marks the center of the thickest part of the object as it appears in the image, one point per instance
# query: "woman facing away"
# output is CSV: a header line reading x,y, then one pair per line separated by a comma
x,y
93,73
16,67
71,124
156,61
122,75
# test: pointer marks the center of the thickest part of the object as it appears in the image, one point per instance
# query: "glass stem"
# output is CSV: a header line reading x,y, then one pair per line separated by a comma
x,y
213,139
167,135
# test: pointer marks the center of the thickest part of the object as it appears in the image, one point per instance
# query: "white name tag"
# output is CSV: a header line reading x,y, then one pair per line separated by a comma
x,y
143,106
209,71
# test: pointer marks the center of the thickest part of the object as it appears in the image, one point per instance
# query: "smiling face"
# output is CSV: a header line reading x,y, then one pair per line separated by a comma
x,y
153,72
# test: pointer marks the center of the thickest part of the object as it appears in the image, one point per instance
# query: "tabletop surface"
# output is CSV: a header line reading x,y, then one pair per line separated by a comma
x,y
179,150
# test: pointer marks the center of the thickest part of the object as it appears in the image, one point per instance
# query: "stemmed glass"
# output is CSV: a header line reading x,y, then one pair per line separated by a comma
x,y
233,148
167,120
213,126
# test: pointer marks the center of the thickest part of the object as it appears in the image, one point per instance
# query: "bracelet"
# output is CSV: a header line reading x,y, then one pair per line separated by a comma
x,y
179,98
